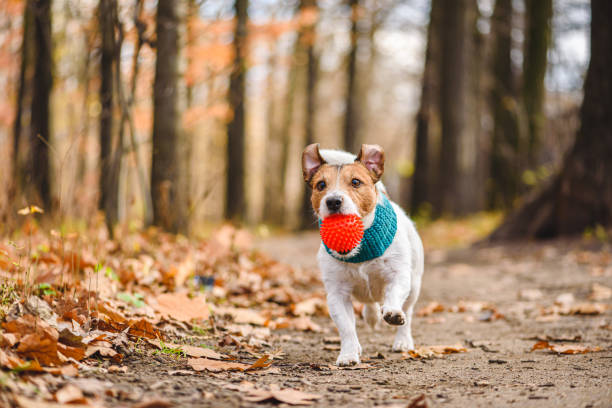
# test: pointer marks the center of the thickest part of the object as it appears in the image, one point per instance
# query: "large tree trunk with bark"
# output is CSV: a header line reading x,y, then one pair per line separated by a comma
x,y
505,169
580,196
24,95
39,167
351,115
168,209
538,15
452,103
235,205
424,170
109,177
308,39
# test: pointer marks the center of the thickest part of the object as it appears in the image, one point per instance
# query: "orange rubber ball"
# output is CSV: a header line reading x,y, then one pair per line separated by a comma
x,y
341,232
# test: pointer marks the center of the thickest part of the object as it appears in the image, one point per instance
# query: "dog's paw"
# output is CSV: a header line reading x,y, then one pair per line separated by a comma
x,y
394,317
345,360
403,344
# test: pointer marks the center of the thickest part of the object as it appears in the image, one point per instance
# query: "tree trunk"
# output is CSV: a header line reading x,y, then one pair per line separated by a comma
x,y
109,178
423,166
351,116
168,209
452,103
505,171
580,196
538,15
39,166
235,205
274,192
23,95
308,39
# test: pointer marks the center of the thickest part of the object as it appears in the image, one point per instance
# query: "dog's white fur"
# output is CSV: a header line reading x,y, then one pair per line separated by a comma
x,y
394,279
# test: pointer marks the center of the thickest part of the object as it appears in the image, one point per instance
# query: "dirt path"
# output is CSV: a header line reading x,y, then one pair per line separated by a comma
x,y
497,370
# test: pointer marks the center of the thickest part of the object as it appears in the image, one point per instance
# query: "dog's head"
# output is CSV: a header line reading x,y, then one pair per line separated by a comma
x,y
341,183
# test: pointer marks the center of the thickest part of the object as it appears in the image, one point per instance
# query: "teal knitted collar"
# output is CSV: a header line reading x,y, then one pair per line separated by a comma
x,y
377,238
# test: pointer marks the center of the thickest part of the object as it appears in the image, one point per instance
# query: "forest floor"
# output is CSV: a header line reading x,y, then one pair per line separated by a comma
x,y
487,306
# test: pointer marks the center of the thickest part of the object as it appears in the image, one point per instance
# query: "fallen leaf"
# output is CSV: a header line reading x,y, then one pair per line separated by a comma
x,y
191,351
419,401
587,309
70,394
288,396
600,292
155,403
310,307
435,351
303,323
240,315
40,347
564,348
181,307
432,307
215,366
8,360
117,369
201,364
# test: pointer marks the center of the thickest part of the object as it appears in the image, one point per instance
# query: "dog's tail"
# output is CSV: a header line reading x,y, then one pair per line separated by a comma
x,y
371,314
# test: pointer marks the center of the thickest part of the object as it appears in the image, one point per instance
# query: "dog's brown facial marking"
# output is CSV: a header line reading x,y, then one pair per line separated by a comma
x,y
352,179
322,181
356,182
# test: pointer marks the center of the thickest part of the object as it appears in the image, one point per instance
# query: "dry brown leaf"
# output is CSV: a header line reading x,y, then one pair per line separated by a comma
x,y
103,350
310,307
215,366
303,323
70,394
564,348
240,315
23,402
181,307
78,353
8,339
40,347
155,403
587,309
8,360
67,370
600,292
471,306
201,364
111,312
288,396
191,351
143,328
432,307
435,351
117,369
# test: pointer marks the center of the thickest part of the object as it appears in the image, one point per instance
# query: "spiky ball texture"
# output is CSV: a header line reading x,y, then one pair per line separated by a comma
x,y
341,232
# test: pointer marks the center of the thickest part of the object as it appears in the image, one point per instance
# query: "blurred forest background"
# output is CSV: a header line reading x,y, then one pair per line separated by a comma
x,y
185,113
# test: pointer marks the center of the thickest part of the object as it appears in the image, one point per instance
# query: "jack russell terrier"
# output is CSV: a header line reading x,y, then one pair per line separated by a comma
x,y
385,267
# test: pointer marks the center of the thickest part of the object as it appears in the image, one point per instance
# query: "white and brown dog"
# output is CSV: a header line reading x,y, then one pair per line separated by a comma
x,y
387,265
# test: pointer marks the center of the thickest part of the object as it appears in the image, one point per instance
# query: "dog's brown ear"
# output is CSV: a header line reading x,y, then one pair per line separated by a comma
x,y
373,158
311,161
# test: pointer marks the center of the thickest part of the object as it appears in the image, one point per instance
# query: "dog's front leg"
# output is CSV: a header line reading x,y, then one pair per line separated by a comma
x,y
341,311
397,290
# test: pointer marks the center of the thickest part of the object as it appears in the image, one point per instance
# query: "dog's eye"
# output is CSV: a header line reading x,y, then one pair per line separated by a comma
x,y
355,182
321,185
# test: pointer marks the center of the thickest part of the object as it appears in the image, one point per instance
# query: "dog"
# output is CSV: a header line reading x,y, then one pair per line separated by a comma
x,y
384,271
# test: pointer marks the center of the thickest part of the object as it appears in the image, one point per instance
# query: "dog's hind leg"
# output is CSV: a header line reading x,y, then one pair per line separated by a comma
x,y
371,314
403,338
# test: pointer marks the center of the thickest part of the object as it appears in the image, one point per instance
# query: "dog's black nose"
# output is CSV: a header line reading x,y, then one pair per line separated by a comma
x,y
333,203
